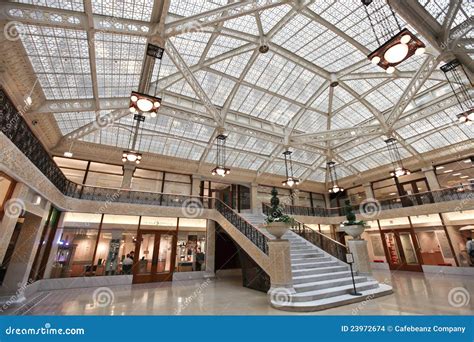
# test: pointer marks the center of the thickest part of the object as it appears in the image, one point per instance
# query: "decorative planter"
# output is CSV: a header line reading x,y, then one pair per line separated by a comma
x,y
277,229
354,230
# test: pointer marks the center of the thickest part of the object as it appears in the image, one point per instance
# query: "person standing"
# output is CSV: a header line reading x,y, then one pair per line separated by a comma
x,y
470,250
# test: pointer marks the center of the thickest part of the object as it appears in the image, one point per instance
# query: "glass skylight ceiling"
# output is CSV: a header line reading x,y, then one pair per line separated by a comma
x,y
271,90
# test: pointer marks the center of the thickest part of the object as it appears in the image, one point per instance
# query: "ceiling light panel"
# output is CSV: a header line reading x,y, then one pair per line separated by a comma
x,y
136,10
119,61
71,5
60,59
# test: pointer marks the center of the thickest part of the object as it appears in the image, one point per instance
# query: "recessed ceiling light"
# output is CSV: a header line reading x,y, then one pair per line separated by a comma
x,y
392,193
464,177
467,161
457,174
439,167
448,171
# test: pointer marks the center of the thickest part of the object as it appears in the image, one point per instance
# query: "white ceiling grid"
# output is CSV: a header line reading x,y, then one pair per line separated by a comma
x,y
275,88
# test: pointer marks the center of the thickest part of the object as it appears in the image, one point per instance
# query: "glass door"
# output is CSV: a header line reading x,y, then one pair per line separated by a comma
x,y
155,252
403,250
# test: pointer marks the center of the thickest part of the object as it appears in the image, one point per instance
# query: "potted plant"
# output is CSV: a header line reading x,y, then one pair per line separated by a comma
x,y
277,223
351,226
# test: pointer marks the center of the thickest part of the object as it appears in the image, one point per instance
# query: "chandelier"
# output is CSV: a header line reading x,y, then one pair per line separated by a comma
x,y
335,188
394,48
220,168
131,156
398,169
145,103
290,178
456,76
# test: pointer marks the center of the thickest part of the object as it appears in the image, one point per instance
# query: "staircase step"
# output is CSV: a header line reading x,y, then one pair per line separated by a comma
x,y
326,284
320,277
308,255
332,292
298,261
319,270
335,301
314,265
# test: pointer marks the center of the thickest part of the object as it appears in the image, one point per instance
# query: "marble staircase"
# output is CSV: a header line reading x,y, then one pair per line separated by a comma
x,y
320,281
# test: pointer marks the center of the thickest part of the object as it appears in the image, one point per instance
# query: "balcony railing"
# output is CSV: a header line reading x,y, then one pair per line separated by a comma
x,y
459,193
322,241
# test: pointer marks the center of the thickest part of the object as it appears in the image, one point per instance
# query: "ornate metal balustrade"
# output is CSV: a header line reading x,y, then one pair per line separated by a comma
x,y
252,233
320,240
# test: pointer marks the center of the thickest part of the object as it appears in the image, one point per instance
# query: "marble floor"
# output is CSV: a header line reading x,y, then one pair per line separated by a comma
x,y
414,294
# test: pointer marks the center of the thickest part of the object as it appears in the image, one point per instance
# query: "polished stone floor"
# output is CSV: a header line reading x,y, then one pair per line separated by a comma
x,y
414,294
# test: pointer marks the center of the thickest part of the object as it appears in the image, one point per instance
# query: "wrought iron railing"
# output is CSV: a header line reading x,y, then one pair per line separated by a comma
x,y
246,228
459,193
320,240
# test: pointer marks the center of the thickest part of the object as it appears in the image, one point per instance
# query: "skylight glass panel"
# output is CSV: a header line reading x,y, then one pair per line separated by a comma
x,y
188,8
233,66
119,61
71,5
223,44
60,59
183,88
70,121
438,9
305,157
191,46
340,98
322,102
246,143
129,9
318,176
379,101
270,17
245,24
290,30
308,39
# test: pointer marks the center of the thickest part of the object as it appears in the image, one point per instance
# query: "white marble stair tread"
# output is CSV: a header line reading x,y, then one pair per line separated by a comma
x,y
319,270
326,303
324,284
315,264
299,261
333,291
319,277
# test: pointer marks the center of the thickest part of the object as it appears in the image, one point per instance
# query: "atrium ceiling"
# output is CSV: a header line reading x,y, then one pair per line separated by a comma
x,y
88,56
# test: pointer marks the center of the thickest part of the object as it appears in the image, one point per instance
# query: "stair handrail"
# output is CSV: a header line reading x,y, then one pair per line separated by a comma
x,y
245,227
327,244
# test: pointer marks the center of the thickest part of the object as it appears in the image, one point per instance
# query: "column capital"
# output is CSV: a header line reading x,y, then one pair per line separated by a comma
x,y
428,168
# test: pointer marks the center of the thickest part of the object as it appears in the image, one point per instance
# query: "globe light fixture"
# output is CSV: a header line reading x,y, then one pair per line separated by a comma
x,y
132,157
144,103
220,169
395,157
334,187
394,48
290,180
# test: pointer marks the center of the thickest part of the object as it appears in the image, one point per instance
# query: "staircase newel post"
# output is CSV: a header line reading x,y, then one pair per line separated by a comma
x,y
281,280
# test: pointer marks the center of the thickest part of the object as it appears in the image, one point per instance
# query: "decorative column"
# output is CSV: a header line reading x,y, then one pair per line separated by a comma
x,y
210,248
369,192
14,208
431,178
255,203
280,268
195,185
16,278
128,170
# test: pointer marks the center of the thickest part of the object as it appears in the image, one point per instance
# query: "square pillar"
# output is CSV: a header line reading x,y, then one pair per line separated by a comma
x,y
211,248
280,265
359,250
431,178
195,185
24,254
14,208
255,202
369,192
128,170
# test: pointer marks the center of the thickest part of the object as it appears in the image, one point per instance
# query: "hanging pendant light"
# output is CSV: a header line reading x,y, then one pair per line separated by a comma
x,y
457,78
220,168
398,169
335,188
394,47
291,180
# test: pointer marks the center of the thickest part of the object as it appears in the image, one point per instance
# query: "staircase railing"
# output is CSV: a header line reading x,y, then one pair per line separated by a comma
x,y
331,246
245,227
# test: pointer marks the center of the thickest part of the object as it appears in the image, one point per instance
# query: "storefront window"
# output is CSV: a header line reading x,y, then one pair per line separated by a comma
x,y
191,245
